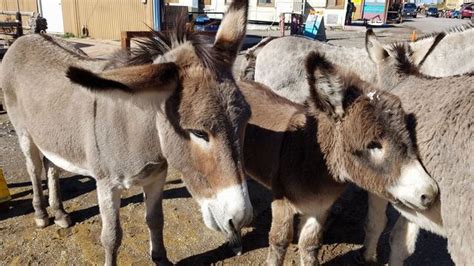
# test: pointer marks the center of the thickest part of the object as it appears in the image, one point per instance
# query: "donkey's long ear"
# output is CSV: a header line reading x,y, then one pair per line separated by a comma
x,y
422,48
129,79
232,30
327,87
158,79
374,48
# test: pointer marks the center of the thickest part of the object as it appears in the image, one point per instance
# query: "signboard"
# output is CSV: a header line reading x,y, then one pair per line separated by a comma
x,y
374,10
314,27
358,12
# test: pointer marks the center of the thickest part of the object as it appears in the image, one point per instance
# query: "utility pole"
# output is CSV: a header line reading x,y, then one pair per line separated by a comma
x,y
19,30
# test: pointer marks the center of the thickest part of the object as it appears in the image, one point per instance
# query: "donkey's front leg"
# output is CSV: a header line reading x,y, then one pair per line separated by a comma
x,y
375,223
402,241
281,232
154,217
109,205
310,238
61,217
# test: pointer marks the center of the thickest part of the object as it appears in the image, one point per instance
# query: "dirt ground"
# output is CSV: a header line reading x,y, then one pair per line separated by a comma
x,y
187,239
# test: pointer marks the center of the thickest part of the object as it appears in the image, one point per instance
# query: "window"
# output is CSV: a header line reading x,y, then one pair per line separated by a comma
x,y
338,4
265,3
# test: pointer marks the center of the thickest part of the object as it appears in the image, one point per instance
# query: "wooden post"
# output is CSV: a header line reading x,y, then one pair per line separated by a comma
x,y
124,40
413,36
282,24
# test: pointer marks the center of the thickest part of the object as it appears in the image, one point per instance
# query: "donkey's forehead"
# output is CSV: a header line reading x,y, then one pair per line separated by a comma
x,y
379,107
213,107
191,56
182,55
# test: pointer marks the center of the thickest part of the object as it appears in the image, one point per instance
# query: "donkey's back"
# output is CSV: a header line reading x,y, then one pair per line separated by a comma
x,y
285,73
74,128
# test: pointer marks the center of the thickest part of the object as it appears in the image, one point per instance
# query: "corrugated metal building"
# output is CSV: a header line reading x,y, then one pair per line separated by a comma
x,y
104,19
11,5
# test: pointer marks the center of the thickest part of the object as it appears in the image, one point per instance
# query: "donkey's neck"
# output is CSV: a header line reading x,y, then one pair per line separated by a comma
x,y
281,149
301,152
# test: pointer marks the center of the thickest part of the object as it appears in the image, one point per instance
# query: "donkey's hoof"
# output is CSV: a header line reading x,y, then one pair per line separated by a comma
x,y
63,222
237,250
162,262
42,222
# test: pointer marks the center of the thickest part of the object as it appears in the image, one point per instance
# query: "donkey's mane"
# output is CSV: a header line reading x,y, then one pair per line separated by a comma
x,y
403,53
54,41
449,31
159,43
455,29
405,65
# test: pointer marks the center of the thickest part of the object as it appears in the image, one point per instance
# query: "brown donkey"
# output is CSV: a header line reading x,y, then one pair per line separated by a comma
x,y
124,126
349,131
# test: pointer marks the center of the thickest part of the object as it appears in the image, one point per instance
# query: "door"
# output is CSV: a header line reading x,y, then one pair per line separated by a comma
x,y
52,11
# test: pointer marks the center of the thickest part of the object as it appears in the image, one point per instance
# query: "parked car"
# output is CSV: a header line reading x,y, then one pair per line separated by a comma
x,y
432,12
456,14
450,13
409,9
204,23
467,11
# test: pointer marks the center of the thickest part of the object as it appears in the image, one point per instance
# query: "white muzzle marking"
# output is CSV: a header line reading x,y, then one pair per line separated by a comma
x,y
230,204
415,188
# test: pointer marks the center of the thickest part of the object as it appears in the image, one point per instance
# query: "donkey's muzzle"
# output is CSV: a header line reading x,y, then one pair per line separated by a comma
x,y
415,188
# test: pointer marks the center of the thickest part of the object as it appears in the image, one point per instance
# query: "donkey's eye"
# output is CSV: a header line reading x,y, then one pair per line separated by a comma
x,y
200,134
374,145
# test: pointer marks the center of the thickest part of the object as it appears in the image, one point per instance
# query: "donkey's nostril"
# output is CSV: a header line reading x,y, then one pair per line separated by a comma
x,y
426,200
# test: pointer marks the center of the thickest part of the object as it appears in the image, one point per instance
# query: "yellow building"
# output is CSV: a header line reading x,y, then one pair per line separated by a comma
x,y
454,4
102,19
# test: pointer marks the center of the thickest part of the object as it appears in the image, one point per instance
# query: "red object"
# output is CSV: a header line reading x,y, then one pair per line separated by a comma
x,y
467,12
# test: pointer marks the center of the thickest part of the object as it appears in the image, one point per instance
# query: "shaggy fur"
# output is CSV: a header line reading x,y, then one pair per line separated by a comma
x,y
284,74
443,112
305,154
186,111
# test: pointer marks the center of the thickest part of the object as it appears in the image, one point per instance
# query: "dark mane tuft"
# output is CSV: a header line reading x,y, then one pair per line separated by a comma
x,y
149,48
456,29
402,56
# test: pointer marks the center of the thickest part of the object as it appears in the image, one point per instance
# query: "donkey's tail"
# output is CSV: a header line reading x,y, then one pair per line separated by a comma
x,y
247,68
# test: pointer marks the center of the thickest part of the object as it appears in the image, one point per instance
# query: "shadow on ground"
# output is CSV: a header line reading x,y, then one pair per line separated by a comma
x,y
72,187
344,225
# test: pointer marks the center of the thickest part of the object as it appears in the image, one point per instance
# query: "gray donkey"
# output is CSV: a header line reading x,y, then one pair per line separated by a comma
x,y
290,80
444,113
125,125
285,73
307,154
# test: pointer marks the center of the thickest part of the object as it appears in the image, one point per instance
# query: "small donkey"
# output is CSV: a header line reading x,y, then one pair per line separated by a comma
x,y
124,126
444,113
306,155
